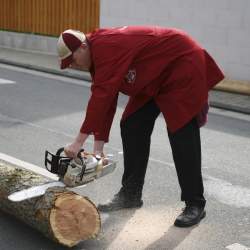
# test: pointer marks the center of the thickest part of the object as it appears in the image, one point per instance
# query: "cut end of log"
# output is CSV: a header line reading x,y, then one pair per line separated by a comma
x,y
73,219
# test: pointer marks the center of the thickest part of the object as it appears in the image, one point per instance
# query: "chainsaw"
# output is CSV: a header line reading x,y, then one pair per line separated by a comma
x,y
78,171
71,172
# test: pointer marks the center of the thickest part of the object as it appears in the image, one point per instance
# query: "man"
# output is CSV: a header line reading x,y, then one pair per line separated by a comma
x,y
163,71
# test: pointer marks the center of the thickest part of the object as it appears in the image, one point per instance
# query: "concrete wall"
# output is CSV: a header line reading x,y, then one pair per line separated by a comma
x,y
23,41
221,26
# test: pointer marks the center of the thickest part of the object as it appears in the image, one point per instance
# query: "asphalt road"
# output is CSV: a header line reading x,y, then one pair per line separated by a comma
x,y
40,111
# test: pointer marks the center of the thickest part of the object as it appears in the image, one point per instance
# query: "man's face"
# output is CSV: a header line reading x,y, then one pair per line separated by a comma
x,y
81,58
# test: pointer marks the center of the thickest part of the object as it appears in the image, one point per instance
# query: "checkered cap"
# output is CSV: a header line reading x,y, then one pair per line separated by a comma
x,y
68,42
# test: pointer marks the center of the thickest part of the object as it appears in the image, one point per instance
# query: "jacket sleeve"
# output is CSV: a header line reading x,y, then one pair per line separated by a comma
x,y
111,64
104,134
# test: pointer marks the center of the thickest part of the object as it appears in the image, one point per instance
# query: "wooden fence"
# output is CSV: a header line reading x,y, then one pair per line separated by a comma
x,y
49,17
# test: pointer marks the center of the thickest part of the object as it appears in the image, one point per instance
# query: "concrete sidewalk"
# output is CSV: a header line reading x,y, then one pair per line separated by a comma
x,y
49,63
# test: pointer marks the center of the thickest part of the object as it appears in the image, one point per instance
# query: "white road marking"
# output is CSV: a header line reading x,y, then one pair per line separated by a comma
x,y
6,81
28,166
237,246
84,83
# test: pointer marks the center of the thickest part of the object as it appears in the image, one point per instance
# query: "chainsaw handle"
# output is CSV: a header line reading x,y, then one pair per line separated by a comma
x,y
59,151
52,161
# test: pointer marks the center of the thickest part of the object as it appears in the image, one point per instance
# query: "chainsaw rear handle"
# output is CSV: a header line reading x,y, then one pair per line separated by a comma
x,y
59,151
58,164
52,161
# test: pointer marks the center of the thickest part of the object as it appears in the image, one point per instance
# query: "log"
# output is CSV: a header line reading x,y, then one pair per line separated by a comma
x,y
60,214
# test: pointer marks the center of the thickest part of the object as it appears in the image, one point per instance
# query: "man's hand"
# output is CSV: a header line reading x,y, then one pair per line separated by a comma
x,y
72,149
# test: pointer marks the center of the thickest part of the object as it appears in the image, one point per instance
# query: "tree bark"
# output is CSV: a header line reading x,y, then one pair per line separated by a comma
x,y
59,214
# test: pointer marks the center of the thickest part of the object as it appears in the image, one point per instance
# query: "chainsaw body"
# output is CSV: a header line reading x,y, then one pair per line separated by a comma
x,y
78,171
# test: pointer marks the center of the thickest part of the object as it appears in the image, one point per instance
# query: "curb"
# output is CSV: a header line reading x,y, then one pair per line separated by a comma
x,y
28,166
234,86
229,107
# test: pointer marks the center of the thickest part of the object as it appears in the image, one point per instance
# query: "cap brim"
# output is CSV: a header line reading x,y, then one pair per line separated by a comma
x,y
66,62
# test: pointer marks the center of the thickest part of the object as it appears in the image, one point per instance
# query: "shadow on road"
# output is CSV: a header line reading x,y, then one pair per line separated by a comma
x,y
111,228
171,239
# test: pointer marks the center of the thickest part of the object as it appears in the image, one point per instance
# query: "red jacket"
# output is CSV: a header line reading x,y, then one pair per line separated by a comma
x,y
145,63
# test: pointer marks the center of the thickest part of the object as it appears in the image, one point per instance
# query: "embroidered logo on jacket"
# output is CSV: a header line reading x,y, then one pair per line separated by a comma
x,y
131,76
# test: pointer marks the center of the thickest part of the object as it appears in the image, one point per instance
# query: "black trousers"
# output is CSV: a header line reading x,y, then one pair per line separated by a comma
x,y
185,143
